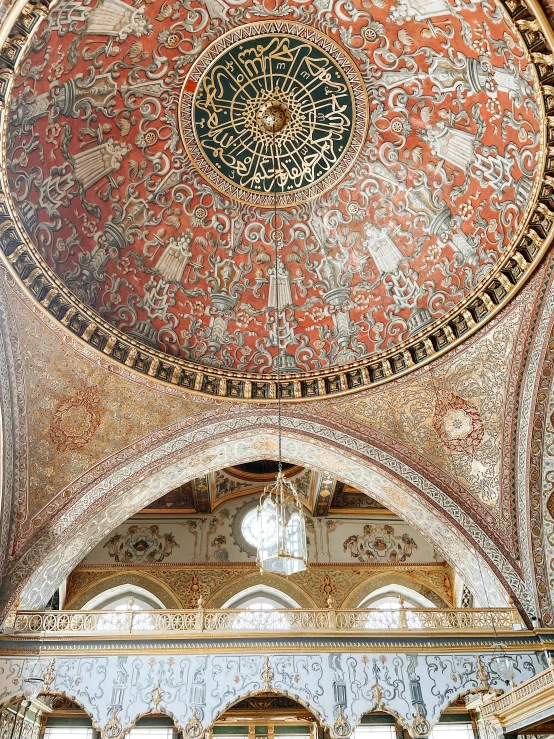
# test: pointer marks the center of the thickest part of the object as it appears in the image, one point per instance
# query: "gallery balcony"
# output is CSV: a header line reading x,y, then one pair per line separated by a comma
x,y
231,623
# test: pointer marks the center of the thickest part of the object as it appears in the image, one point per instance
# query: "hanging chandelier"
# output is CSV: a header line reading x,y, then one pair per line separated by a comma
x,y
281,522
503,663
282,529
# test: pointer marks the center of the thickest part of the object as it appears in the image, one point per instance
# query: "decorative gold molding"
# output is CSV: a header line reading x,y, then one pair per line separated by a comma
x,y
443,643
520,258
266,676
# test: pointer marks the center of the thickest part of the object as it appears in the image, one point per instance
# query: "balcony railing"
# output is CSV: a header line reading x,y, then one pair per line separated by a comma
x,y
230,622
527,696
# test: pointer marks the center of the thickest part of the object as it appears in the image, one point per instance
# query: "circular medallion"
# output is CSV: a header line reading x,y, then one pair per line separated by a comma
x,y
273,111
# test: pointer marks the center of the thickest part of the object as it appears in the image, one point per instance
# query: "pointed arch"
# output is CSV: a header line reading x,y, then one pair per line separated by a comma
x,y
412,582
145,473
130,577
276,582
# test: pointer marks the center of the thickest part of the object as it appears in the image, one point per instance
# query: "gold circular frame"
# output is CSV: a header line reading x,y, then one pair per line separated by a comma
x,y
267,29
520,259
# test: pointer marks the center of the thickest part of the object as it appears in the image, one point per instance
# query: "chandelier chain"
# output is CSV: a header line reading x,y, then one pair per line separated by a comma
x,y
277,300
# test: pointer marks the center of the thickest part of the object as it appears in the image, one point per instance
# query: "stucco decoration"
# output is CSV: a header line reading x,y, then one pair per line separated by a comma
x,y
203,686
244,438
362,288
185,583
141,544
193,539
380,543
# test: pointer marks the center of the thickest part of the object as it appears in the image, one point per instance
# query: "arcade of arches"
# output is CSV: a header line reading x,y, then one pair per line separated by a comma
x,y
308,241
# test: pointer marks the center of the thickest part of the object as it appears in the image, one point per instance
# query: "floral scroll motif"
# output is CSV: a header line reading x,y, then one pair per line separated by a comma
x,y
141,544
75,420
380,543
458,423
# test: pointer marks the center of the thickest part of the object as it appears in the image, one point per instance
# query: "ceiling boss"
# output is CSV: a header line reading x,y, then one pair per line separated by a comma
x,y
273,80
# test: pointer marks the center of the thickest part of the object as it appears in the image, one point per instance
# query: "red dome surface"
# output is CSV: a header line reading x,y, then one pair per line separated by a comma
x,y
443,134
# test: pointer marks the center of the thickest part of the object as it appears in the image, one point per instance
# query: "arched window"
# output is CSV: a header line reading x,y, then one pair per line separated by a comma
x,y
388,598
128,602
124,598
260,598
264,604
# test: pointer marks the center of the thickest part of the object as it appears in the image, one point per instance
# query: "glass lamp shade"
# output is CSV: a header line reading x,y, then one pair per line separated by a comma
x,y
282,548
32,687
504,667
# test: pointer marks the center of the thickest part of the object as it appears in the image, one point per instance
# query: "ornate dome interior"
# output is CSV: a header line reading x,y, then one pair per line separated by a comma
x,y
181,172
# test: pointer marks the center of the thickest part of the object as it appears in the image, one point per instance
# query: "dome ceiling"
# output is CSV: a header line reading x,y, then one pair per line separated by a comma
x,y
407,142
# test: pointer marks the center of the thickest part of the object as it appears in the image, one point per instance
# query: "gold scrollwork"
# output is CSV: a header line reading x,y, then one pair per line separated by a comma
x,y
266,676
113,728
193,727
49,675
482,674
341,727
157,695
420,724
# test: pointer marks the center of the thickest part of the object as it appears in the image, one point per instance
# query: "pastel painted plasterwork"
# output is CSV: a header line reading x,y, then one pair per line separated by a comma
x,y
205,685
191,539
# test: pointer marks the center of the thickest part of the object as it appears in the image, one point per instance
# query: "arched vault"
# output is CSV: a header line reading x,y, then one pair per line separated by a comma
x,y
149,473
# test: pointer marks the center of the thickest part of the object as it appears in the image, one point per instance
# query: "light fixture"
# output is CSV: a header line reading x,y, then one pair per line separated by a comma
x,y
32,686
282,547
282,527
503,664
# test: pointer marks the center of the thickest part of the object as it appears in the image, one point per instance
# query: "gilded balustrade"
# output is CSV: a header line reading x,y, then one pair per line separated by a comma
x,y
229,621
528,692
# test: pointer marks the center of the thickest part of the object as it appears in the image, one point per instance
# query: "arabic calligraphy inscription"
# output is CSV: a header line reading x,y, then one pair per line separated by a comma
x,y
274,112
